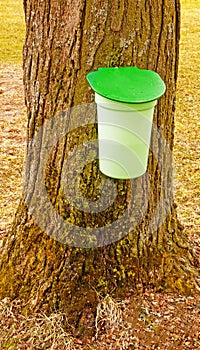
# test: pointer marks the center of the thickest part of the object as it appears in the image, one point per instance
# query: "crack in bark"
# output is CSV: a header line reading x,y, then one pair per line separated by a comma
x,y
117,13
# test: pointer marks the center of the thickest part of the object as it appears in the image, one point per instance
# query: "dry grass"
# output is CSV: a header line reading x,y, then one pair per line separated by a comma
x,y
187,123
12,140
40,332
149,321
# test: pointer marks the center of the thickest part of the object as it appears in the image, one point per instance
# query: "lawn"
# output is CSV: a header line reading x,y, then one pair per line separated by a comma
x,y
151,320
187,122
12,31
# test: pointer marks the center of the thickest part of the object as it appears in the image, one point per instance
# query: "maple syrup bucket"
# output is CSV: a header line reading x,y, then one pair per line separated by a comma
x,y
125,99
124,134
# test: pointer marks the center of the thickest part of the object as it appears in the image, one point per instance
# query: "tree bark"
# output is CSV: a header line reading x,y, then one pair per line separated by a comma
x,y
52,266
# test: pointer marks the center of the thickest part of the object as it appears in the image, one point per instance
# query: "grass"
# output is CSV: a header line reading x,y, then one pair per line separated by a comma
x,y
12,141
187,123
12,31
147,321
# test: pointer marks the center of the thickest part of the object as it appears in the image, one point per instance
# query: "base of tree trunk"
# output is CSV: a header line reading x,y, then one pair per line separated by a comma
x,y
50,276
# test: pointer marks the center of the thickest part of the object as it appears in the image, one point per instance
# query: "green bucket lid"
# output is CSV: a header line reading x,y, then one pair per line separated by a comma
x,y
127,84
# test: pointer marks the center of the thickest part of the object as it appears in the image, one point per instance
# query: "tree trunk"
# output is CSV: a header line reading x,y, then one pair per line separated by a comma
x,y
79,235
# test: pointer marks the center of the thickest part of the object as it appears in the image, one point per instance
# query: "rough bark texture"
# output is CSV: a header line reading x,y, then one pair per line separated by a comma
x,y
64,41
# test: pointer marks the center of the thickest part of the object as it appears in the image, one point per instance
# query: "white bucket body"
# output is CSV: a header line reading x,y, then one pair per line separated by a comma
x,y
124,133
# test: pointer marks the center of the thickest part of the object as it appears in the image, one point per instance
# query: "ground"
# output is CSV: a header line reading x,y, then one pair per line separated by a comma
x,y
145,321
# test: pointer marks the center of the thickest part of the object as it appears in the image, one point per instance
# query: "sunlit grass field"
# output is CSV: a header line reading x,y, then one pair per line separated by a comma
x,y
12,31
187,122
